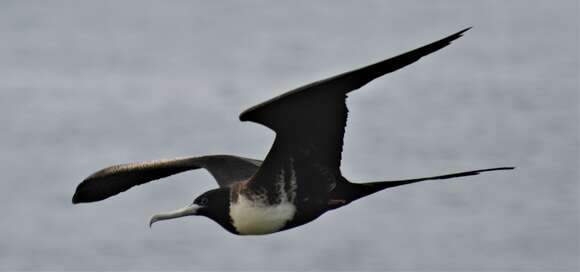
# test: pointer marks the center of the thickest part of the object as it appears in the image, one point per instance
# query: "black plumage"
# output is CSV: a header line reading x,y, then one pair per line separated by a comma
x,y
226,169
300,178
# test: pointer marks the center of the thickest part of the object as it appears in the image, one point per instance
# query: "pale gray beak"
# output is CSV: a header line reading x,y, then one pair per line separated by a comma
x,y
185,211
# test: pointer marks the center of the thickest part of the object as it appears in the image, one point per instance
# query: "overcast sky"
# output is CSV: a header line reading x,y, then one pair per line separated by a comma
x,y
88,84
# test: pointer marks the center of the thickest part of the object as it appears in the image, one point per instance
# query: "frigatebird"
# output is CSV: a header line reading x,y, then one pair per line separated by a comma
x,y
300,178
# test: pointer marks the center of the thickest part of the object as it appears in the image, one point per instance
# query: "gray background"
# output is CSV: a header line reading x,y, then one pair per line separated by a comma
x,y
84,85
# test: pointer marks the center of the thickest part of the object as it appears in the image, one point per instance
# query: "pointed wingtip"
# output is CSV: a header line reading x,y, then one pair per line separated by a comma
x,y
461,32
464,30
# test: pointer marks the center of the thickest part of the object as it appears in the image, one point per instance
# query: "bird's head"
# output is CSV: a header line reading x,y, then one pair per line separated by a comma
x,y
214,204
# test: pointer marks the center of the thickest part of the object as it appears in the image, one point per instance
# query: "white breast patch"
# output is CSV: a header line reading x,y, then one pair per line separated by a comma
x,y
255,218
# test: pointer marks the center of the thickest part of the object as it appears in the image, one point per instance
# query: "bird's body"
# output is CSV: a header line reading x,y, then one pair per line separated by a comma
x,y
300,178
252,213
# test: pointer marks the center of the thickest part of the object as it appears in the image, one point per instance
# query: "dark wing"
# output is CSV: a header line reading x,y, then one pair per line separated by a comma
x,y
226,169
309,121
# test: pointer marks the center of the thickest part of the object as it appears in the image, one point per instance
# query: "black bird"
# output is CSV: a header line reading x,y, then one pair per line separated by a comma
x,y
300,178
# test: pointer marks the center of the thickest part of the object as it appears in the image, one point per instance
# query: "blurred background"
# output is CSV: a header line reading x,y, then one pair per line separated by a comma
x,y
88,84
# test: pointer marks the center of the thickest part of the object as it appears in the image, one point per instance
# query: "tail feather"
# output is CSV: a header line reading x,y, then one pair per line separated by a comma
x,y
373,187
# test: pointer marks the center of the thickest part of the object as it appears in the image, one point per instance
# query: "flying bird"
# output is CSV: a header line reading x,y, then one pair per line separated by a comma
x,y
300,178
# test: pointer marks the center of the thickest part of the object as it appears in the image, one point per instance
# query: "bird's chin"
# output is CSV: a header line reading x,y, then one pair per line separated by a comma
x,y
185,211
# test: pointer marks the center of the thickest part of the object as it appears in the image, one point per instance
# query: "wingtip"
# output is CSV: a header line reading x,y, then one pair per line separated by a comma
x,y
461,32
76,199
82,195
449,39
79,195
243,116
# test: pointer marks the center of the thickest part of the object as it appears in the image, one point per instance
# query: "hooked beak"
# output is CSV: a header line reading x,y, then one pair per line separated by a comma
x,y
185,211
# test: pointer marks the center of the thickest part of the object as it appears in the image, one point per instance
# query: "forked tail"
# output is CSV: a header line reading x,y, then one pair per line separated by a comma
x,y
373,187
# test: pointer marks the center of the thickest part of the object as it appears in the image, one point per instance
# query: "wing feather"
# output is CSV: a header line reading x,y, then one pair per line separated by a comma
x,y
226,169
309,121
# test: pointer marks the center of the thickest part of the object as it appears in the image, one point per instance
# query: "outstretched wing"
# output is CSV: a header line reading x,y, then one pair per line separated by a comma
x,y
309,123
226,169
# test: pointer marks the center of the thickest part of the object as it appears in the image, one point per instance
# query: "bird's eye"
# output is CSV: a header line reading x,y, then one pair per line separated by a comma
x,y
203,201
